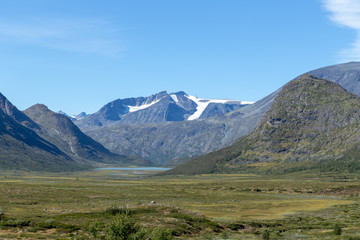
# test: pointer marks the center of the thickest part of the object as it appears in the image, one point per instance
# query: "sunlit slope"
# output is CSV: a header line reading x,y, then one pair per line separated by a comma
x,y
312,124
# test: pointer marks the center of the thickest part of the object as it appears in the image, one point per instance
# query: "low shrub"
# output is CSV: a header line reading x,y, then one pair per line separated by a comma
x,y
48,224
124,228
266,235
15,223
337,230
95,227
236,226
161,234
67,228
118,210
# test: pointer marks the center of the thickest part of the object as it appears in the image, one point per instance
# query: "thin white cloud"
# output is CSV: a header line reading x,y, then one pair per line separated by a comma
x,y
346,13
84,36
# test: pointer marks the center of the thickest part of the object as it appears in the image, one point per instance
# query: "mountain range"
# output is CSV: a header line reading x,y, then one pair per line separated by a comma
x,y
145,132
313,123
23,149
41,140
61,131
158,108
170,129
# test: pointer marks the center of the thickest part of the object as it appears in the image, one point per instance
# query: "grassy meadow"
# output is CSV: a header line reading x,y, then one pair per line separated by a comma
x,y
229,206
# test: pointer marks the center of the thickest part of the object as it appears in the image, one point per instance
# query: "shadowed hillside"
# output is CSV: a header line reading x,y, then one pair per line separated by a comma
x,y
23,149
61,131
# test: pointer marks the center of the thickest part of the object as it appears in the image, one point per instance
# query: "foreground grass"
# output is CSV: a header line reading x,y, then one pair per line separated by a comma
x,y
203,207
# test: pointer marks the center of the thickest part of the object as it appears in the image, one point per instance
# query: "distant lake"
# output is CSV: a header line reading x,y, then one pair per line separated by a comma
x,y
136,169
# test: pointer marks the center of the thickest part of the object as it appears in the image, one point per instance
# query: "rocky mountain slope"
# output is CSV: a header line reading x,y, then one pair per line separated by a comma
x,y
313,123
8,108
177,141
23,149
60,130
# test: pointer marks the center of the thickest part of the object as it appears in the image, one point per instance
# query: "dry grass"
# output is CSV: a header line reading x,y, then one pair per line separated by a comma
x,y
75,198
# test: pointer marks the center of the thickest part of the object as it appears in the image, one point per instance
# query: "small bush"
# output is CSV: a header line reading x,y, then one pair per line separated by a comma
x,y
67,228
124,228
214,226
207,235
236,226
255,225
181,229
266,235
225,235
16,223
95,227
117,210
48,224
161,234
337,230
195,222
34,229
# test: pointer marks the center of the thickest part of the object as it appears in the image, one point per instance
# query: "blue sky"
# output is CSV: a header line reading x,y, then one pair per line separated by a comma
x,y
79,55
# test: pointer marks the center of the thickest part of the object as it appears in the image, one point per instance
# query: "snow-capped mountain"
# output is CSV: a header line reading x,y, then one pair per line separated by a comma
x,y
76,117
211,107
160,107
79,116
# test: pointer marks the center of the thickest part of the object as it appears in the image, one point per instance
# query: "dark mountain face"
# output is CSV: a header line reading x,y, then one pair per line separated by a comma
x,y
8,108
23,149
158,108
61,131
311,124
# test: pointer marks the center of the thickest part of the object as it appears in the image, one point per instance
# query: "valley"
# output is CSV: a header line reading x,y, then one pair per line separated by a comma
x,y
289,168
180,120
217,206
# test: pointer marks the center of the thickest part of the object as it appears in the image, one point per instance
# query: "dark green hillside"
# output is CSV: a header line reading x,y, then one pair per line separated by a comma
x,y
312,124
61,131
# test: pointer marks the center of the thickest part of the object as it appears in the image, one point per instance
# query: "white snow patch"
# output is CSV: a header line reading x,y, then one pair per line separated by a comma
x,y
203,103
246,102
174,97
141,107
77,117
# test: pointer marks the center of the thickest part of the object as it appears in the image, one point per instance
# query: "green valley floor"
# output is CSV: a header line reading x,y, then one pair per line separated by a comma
x,y
98,204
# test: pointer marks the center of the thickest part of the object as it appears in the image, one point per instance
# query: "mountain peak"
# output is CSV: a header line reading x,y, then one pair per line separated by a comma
x,y
79,116
182,93
59,129
161,93
40,107
157,108
8,108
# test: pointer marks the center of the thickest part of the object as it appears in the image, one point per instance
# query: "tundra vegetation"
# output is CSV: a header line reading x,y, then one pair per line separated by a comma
x,y
112,204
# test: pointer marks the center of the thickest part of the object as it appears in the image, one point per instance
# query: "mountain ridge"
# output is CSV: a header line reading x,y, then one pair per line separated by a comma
x,y
157,108
313,123
59,129
23,149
